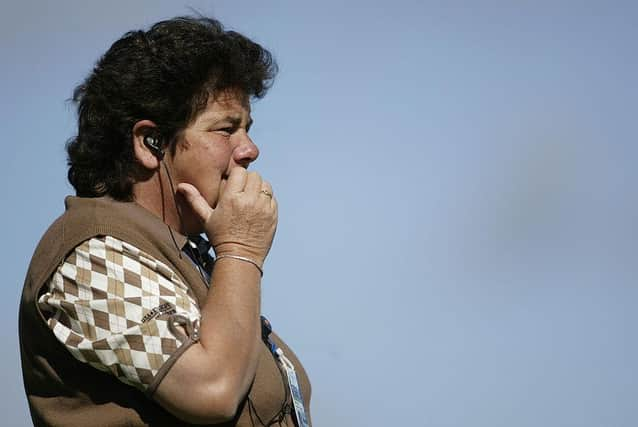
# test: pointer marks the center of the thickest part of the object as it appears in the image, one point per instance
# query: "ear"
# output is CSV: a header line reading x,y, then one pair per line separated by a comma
x,y
144,155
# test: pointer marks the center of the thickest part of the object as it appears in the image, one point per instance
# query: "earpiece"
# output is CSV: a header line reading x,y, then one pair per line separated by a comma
x,y
153,144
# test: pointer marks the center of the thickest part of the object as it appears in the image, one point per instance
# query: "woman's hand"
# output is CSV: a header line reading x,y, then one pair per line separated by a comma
x,y
245,217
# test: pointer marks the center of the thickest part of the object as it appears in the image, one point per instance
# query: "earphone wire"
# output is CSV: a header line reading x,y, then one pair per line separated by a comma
x,y
170,230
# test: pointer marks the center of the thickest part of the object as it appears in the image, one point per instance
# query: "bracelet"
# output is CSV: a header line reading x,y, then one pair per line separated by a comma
x,y
242,258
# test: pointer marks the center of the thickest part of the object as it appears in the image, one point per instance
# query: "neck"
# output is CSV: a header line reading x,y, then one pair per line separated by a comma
x,y
156,195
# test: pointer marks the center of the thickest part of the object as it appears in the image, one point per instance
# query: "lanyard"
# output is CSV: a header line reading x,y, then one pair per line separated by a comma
x,y
293,384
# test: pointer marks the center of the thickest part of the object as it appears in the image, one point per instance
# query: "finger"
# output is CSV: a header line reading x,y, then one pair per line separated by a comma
x,y
253,183
197,203
266,190
236,180
265,185
222,188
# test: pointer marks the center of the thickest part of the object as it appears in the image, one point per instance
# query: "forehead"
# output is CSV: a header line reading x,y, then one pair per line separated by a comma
x,y
228,103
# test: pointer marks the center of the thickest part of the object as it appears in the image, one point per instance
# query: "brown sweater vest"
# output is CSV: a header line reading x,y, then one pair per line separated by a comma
x,y
63,391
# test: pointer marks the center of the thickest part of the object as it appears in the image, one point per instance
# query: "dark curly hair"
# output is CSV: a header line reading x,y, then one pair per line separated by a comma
x,y
166,75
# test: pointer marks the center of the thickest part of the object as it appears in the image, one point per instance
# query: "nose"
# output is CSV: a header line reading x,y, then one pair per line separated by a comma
x,y
246,151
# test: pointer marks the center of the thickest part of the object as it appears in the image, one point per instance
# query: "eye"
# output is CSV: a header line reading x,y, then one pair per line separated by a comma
x,y
227,131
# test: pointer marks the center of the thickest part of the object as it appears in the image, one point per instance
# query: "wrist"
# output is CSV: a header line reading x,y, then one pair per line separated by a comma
x,y
239,258
237,249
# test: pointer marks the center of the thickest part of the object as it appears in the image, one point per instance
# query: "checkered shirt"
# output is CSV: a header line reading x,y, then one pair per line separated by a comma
x,y
111,305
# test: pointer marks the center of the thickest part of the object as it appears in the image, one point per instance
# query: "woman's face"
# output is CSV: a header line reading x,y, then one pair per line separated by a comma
x,y
210,146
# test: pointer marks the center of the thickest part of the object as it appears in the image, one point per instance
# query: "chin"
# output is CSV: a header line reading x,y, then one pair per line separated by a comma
x,y
192,228
189,222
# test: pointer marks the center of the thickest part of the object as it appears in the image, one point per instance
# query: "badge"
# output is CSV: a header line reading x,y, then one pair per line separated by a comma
x,y
295,391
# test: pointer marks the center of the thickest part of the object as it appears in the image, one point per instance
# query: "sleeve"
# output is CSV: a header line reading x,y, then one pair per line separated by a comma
x,y
116,308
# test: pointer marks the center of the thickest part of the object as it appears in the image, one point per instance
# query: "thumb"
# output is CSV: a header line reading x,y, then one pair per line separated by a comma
x,y
194,198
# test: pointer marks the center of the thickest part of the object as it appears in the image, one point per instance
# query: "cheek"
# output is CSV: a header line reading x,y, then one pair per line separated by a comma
x,y
203,164
219,159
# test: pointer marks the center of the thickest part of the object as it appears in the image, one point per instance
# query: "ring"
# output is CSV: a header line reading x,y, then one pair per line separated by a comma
x,y
267,193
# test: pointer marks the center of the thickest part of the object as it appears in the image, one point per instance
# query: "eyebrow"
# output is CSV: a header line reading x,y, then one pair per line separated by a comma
x,y
234,120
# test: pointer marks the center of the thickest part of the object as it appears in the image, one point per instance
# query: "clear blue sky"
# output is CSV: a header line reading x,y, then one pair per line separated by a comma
x,y
458,237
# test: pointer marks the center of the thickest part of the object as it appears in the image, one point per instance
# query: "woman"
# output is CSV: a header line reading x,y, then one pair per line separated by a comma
x,y
123,319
